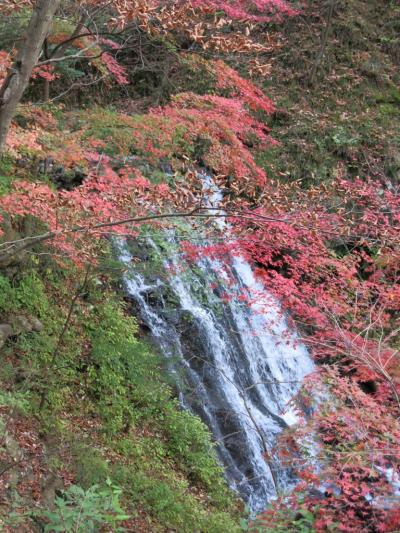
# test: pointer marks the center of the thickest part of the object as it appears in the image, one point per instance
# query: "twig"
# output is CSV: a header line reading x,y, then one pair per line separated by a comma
x,y
67,322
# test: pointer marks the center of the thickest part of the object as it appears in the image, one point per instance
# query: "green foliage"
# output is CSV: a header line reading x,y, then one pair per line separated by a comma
x,y
12,27
85,511
91,468
189,440
341,140
17,401
123,373
7,295
170,503
107,125
6,173
30,295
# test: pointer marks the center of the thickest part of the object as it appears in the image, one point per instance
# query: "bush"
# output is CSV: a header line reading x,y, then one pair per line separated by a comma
x,y
7,295
91,468
124,378
81,511
190,441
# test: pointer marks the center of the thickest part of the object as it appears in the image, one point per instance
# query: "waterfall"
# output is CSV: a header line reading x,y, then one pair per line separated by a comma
x,y
234,360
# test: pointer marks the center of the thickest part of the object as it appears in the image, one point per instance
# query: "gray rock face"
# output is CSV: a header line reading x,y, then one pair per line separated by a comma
x,y
36,324
17,325
22,324
5,332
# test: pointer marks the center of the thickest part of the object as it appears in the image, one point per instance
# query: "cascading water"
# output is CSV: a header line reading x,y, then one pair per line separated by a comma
x,y
234,361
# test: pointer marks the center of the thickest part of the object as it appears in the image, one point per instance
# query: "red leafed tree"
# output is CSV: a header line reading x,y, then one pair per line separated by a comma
x,y
175,16
225,125
79,219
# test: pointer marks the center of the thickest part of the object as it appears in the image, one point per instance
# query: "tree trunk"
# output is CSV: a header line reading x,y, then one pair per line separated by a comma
x,y
46,82
27,56
324,40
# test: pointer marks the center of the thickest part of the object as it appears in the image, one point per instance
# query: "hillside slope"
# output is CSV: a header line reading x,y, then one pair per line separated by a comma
x,y
87,410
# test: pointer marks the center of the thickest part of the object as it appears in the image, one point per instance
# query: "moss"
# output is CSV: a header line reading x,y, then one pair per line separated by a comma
x,y
6,173
348,116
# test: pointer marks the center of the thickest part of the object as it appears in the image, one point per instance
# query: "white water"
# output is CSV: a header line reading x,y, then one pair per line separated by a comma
x,y
235,362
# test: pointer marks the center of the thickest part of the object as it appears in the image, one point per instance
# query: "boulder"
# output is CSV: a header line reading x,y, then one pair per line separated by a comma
x,y
22,324
36,324
6,331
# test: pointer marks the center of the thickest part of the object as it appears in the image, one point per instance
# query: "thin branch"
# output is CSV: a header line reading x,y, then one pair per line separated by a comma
x,y
27,242
64,330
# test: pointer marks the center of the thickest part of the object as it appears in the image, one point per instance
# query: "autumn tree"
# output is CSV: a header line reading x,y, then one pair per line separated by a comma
x,y
223,27
20,71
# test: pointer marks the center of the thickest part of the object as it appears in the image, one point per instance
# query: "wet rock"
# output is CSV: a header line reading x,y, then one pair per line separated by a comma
x,y
187,319
68,180
153,297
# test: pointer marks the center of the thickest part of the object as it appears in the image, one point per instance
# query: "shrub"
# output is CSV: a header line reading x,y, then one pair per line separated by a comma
x,y
189,440
7,295
84,511
91,468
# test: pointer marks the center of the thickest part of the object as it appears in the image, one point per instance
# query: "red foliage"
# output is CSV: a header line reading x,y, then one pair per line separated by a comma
x,y
226,124
330,255
46,72
255,10
252,96
102,198
118,72
332,259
